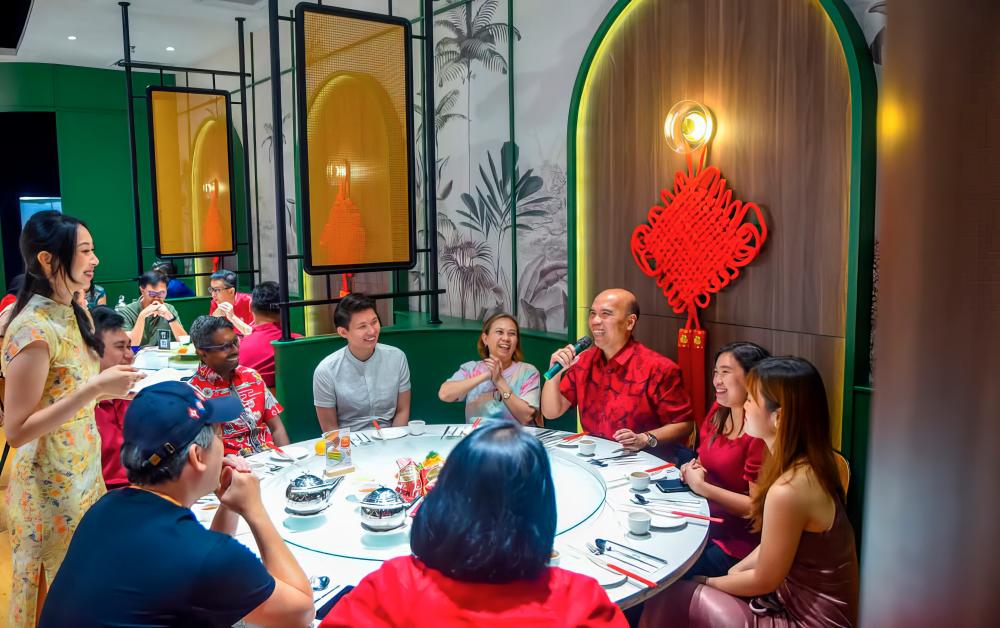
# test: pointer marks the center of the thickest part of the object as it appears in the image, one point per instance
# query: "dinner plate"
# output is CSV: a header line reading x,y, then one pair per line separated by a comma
x,y
295,453
388,433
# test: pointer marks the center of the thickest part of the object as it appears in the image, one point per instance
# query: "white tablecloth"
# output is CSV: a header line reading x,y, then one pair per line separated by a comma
x,y
587,510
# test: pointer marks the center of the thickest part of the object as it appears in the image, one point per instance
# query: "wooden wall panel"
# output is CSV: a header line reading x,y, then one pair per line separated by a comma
x,y
774,74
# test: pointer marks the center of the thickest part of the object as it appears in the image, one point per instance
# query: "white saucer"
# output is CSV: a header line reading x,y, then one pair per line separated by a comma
x,y
573,444
309,516
388,433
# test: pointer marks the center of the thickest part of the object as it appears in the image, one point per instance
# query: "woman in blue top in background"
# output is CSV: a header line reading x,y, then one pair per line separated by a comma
x,y
500,385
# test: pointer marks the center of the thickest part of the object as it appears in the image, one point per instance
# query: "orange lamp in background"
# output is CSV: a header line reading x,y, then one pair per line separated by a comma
x,y
343,238
696,242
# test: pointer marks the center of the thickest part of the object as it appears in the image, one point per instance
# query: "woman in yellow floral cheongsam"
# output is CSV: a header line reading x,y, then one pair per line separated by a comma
x,y
50,359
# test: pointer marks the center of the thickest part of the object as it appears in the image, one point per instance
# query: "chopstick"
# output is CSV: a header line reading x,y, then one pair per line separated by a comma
x,y
661,467
682,513
281,452
634,576
572,437
378,430
475,423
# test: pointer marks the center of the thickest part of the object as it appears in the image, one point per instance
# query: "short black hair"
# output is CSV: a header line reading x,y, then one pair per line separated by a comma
x,y
351,305
492,516
265,297
165,267
228,277
204,327
106,319
151,278
633,307
133,459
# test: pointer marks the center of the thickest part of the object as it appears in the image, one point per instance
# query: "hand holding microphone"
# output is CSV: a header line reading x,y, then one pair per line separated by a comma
x,y
567,356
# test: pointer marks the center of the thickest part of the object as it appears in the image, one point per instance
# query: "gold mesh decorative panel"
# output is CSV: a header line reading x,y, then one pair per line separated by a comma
x,y
191,161
355,139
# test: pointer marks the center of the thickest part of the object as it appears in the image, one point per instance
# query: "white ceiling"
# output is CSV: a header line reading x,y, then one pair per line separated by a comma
x,y
197,29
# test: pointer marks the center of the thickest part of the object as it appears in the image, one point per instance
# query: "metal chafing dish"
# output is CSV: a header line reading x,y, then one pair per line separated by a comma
x,y
383,509
309,495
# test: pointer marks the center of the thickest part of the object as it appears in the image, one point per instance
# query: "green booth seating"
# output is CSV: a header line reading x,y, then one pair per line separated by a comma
x,y
434,354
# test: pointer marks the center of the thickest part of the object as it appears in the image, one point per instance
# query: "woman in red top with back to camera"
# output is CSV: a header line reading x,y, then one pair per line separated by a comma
x,y
725,471
481,543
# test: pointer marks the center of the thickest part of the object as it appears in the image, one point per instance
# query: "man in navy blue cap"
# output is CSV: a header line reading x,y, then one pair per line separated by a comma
x,y
139,556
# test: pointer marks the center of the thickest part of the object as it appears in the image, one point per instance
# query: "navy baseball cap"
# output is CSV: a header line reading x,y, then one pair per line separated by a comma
x,y
166,417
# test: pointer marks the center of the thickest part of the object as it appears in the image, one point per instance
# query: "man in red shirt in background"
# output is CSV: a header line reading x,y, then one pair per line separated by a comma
x,y
256,351
624,390
110,413
229,304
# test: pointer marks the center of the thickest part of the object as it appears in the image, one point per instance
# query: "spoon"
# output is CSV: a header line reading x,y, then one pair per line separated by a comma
x,y
319,583
639,499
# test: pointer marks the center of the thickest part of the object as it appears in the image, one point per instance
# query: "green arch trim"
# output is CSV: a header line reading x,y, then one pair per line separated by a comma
x,y
861,239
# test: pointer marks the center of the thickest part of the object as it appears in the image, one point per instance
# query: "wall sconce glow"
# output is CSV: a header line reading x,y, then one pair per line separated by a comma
x,y
72,38
170,48
210,187
688,127
335,172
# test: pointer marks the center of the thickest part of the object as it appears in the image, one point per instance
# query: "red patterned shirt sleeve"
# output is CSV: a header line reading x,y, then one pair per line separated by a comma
x,y
672,402
567,385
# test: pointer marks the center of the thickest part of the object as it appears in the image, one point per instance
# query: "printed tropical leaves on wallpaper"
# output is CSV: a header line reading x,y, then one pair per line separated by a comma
x,y
500,194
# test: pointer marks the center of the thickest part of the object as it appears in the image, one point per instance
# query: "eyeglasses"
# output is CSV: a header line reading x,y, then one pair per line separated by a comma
x,y
232,344
218,290
156,293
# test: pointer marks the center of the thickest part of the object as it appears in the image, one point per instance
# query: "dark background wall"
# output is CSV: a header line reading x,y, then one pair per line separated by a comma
x,y
29,166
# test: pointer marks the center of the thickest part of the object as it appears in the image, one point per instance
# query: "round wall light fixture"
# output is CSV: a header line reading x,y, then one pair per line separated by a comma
x,y
689,126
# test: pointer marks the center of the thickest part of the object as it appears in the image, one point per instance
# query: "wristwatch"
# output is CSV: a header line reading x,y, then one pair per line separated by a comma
x,y
651,440
170,320
501,396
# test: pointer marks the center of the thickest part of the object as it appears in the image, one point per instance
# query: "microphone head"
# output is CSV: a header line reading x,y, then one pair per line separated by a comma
x,y
584,343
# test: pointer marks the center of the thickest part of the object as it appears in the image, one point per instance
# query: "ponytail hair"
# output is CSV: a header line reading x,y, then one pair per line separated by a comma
x,y
55,233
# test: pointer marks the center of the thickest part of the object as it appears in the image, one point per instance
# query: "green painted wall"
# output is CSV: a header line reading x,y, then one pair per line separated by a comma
x,y
434,354
94,168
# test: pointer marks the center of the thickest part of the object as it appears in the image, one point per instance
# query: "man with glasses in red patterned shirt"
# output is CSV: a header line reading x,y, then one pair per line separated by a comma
x,y
220,375
625,391
150,312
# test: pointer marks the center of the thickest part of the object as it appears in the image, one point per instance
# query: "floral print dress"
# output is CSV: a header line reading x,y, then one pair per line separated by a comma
x,y
56,477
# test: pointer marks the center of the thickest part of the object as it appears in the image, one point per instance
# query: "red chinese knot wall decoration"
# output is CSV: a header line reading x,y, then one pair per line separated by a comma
x,y
694,245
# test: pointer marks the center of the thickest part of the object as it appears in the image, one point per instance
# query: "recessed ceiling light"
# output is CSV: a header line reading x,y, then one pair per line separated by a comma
x,y
170,48
72,38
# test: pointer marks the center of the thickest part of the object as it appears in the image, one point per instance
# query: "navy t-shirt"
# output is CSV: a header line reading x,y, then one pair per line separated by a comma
x,y
137,559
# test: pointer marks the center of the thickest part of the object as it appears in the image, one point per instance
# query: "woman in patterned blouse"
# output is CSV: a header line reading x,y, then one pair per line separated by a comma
x,y
500,385
50,359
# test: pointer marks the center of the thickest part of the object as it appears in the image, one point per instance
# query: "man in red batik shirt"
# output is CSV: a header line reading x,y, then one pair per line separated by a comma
x,y
219,374
624,390
110,413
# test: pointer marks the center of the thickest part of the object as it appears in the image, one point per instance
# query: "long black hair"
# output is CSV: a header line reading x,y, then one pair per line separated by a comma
x,y
492,516
55,233
747,354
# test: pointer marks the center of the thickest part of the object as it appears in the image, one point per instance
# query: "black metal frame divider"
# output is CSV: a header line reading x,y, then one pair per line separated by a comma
x,y
433,291
128,64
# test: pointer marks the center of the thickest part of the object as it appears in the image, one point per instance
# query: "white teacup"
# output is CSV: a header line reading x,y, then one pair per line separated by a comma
x,y
417,427
587,447
638,480
639,523
184,340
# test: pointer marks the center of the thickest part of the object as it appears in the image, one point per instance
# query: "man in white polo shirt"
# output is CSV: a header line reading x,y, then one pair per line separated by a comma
x,y
365,380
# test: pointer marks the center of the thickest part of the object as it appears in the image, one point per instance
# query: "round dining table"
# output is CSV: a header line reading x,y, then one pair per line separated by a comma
x,y
592,501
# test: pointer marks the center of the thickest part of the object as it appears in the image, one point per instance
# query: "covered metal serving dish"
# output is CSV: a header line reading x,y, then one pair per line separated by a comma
x,y
308,494
382,509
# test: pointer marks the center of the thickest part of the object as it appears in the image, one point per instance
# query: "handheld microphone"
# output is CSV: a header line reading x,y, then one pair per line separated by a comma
x,y
581,345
